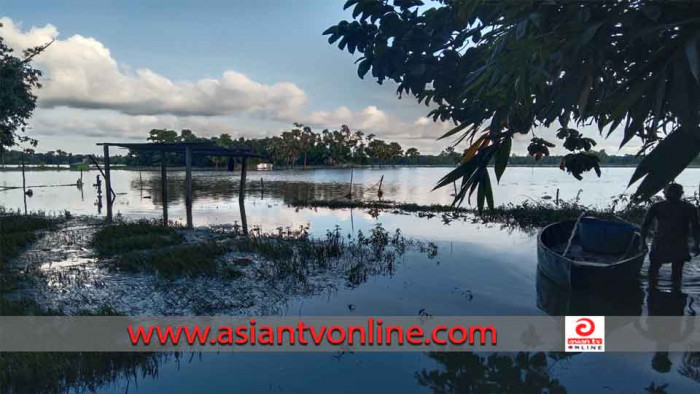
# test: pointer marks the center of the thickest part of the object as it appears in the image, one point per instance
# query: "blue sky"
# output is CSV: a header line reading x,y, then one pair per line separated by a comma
x,y
280,70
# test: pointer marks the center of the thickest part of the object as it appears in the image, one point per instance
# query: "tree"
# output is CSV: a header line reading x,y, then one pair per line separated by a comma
x,y
501,68
18,79
394,151
412,154
162,136
305,139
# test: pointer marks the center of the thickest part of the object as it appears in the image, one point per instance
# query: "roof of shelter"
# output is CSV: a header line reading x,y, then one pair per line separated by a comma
x,y
203,148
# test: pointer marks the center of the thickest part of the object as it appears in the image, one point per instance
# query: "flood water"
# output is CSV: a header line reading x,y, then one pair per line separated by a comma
x,y
479,270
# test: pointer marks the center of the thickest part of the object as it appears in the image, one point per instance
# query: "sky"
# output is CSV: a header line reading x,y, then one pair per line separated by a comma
x,y
250,68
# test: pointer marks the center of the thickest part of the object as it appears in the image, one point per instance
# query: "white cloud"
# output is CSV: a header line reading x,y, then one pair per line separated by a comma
x,y
89,93
81,73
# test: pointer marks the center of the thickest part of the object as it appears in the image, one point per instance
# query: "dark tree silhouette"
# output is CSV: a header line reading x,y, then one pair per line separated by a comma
x,y
18,79
502,68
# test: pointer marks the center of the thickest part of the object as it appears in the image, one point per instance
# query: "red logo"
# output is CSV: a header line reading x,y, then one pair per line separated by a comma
x,y
585,327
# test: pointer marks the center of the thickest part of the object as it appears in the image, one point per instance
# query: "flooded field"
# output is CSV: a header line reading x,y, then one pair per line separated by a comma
x,y
455,268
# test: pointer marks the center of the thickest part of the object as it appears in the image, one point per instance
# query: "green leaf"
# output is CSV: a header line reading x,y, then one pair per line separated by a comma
x,y
520,30
488,191
502,156
484,193
480,196
350,3
583,97
666,161
590,33
454,130
691,52
363,68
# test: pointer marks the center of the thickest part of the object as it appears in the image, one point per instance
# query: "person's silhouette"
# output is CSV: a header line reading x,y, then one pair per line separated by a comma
x,y
674,219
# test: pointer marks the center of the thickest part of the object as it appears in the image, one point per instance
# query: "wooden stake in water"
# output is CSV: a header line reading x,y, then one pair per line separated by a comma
x,y
24,186
350,194
380,193
557,199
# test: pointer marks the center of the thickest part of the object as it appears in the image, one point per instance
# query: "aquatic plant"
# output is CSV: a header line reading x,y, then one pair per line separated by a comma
x,y
17,231
170,262
527,215
293,254
127,236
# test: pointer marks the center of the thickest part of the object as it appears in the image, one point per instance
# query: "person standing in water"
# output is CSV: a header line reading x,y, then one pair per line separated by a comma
x,y
674,219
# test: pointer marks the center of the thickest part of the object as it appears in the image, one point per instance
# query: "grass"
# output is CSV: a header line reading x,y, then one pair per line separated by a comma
x,y
20,307
294,255
17,231
175,261
382,205
124,237
526,215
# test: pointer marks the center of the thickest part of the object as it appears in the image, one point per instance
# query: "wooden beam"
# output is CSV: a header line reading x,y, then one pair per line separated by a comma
x,y
164,187
188,185
108,184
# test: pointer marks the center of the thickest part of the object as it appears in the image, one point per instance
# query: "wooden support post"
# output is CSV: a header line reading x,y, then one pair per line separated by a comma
x,y
164,187
241,196
108,184
188,185
241,189
244,219
24,186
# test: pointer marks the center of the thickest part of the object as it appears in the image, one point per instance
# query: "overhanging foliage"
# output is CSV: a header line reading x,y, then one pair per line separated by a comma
x,y
501,68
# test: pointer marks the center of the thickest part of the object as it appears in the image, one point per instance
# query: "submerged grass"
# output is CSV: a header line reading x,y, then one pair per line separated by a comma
x,y
171,262
294,255
17,231
526,215
126,237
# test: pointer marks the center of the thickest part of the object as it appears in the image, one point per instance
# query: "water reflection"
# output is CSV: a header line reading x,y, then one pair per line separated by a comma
x,y
668,303
496,373
76,372
558,301
220,188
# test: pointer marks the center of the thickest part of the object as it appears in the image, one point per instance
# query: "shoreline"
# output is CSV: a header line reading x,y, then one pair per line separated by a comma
x,y
14,168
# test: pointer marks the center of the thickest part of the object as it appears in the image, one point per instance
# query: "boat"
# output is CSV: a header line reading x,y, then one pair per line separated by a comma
x,y
571,263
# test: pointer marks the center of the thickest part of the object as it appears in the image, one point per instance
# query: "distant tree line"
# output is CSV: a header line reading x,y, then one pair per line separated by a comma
x,y
298,147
